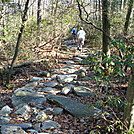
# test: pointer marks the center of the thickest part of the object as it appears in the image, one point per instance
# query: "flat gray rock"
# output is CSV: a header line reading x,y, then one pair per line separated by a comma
x,y
31,85
77,59
23,112
26,97
12,129
66,78
51,84
51,90
69,62
5,111
37,126
83,91
4,120
23,125
36,79
67,88
49,124
58,111
75,108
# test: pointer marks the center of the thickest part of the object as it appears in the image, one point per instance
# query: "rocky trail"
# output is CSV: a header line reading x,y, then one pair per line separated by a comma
x,y
58,102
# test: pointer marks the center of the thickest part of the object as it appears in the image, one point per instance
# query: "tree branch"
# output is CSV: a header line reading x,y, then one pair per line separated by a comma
x,y
90,23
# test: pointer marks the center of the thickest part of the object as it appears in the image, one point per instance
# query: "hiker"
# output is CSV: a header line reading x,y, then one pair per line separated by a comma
x,y
81,38
73,31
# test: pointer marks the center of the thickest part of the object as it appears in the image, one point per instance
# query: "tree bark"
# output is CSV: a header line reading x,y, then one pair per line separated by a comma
x,y
129,110
24,18
106,28
129,11
39,13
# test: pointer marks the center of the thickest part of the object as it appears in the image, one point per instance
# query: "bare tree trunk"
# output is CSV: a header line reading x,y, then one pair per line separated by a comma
x,y
129,11
44,4
32,10
54,13
24,18
129,110
124,3
99,7
39,13
106,28
3,21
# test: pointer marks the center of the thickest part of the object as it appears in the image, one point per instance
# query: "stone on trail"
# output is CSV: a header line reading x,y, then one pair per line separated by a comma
x,y
51,84
69,62
4,120
75,108
58,111
41,116
36,79
83,91
12,129
23,112
66,78
20,90
49,124
51,90
68,70
23,125
22,97
31,85
37,127
45,74
82,55
5,111
77,59
66,89
81,73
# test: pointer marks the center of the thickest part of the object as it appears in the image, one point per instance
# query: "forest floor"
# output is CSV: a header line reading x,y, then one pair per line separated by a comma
x,y
108,99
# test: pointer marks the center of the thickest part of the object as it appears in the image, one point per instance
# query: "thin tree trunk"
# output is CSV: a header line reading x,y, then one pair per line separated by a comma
x,y
39,13
99,6
18,41
106,28
44,4
124,3
32,10
130,6
129,110
3,21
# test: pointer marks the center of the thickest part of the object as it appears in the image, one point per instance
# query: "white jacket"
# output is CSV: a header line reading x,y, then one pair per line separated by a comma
x,y
81,34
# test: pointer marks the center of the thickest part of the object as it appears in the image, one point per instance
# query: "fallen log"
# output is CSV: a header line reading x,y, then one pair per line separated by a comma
x,y
23,64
